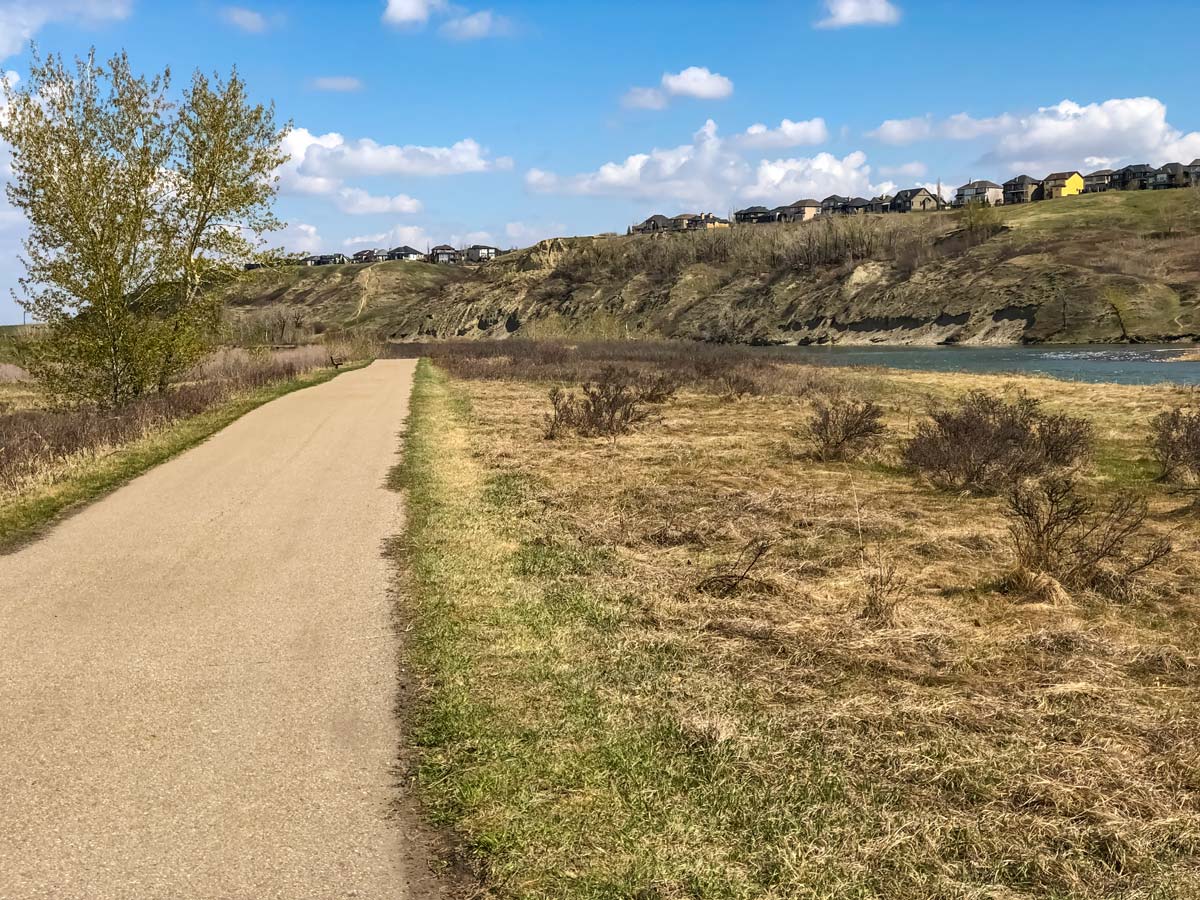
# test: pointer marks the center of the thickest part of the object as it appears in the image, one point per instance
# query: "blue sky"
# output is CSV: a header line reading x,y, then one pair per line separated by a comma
x,y
506,121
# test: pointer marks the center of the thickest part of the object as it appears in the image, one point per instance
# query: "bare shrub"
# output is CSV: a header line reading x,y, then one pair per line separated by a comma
x,y
886,589
734,384
564,413
1080,543
1175,442
734,578
986,443
841,427
611,405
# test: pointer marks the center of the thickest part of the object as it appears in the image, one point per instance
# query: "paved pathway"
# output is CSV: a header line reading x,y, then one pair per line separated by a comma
x,y
198,673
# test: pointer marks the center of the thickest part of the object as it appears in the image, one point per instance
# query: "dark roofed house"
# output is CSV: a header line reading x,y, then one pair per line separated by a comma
x,y
753,215
1022,189
370,256
652,225
443,253
1132,178
858,205
1193,172
1098,182
1172,175
405,252
915,200
835,204
482,253
332,259
880,204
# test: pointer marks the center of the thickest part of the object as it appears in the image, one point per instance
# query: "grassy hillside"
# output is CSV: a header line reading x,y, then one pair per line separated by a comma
x,y
349,295
1103,267
9,334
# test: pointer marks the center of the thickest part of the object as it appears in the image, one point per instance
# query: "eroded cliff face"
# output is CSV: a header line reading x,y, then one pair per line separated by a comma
x,y
1062,274
1022,299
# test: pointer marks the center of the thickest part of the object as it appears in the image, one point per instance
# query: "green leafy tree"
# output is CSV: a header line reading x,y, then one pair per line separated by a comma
x,y
137,206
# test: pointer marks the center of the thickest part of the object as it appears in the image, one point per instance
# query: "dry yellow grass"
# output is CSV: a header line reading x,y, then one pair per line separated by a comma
x,y
614,731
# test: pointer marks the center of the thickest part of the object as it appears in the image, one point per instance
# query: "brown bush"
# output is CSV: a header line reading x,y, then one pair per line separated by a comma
x,y
1175,442
611,405
842,427
1078,542
985,444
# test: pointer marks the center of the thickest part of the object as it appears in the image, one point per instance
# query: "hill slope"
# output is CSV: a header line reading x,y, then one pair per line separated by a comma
x,y
1104,267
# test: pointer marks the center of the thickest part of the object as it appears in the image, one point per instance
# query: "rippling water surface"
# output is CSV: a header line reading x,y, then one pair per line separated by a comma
x,y
1119,363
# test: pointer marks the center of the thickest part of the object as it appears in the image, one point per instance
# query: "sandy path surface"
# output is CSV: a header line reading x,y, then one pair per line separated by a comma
x,y
198,673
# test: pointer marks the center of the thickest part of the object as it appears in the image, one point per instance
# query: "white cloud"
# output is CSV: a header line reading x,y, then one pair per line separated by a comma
x,y
336,159
644,98
411,12
694,81
474,26
20,20
698,82
958,127
904,131
357,202
525,235
300,238
905,170
246,20
1068,134
318,164
844,13
703,174
1065,135
788,134
461,24
297,144
818,176
711,173
341,84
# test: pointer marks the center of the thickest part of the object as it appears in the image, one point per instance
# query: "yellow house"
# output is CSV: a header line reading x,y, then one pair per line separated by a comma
x,y
1062,184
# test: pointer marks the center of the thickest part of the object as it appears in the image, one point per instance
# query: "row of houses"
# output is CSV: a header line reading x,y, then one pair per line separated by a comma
x,y
683,222
911,200
443,253
1024,189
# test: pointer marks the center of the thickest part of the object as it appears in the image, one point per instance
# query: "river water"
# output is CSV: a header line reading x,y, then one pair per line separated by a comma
x,y
1117,363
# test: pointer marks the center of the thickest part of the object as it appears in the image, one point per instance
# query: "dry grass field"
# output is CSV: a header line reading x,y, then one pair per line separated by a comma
x,y
613,710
